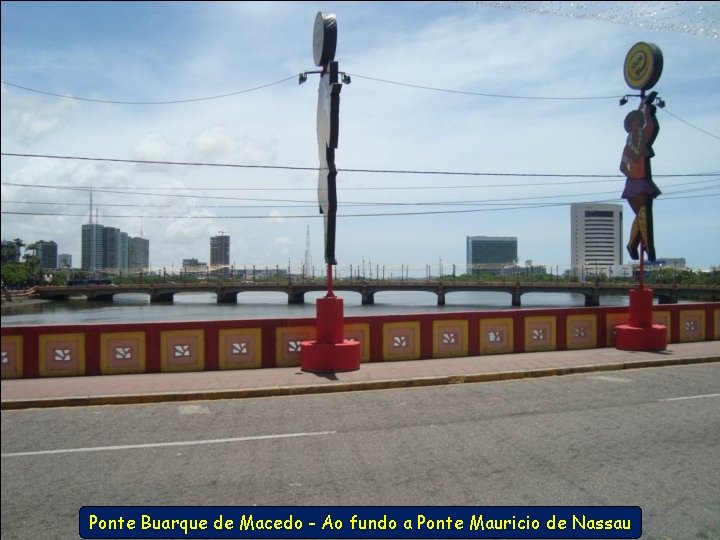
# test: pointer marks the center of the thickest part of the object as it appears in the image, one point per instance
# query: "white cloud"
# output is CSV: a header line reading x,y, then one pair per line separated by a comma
x,y
465,46
152,147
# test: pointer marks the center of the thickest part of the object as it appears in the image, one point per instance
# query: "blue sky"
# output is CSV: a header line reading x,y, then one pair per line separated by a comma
x,y
170,51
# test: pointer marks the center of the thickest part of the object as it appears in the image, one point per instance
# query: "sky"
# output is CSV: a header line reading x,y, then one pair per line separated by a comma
x,y
515,103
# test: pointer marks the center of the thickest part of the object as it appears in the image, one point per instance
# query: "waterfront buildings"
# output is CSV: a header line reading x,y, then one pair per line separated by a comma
x,y
490,253
596,244
64,260
91,253
47,254
138,254
193,267
115,248
219,251
10,251
111,250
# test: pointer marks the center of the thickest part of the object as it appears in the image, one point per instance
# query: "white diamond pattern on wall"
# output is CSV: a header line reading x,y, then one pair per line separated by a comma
x,y
400,341
538,334
123,353
495,336
62,355
449,338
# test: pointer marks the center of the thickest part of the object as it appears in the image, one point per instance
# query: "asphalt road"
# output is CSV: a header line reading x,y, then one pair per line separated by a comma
x,y
646,437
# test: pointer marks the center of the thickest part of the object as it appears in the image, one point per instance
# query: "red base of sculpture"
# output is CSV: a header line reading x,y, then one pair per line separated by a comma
x,y
632,338
640,334
330,352
330,357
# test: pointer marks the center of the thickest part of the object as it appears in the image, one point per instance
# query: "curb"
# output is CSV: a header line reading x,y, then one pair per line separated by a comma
x,y
275,391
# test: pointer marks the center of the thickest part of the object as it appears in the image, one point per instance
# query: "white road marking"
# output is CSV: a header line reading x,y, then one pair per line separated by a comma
x,y
165,444
689,397
609,378
193,409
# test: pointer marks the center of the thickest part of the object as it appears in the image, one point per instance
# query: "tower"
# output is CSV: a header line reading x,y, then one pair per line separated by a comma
x,y
307,262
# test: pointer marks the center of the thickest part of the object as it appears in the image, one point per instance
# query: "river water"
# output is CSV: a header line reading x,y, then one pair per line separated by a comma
x,y
270,305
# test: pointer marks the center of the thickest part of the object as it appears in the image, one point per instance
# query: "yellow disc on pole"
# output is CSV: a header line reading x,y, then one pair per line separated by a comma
x,y
643,66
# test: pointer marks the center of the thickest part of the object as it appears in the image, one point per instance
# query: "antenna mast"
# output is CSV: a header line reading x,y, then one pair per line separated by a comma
x,y
308,256
91,206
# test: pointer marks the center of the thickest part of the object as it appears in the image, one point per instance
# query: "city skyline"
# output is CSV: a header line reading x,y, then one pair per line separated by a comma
x,y
193,122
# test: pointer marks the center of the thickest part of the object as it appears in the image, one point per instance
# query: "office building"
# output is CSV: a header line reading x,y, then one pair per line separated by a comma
x,y
110,249
219,251
490,253
92,247
138,253
193,267
596,243
64,260
115,249
47,254
10,252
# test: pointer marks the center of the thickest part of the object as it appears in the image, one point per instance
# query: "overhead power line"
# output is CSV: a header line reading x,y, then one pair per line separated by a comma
x,y
369,171
538,201
313,203
366,77
691,125
172,102
230,94
528,206
481,94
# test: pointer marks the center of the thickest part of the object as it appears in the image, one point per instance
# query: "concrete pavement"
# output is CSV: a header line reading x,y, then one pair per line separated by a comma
x,y
159,387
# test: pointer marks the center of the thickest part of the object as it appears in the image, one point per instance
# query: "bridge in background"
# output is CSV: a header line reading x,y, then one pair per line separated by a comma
x,y
227,292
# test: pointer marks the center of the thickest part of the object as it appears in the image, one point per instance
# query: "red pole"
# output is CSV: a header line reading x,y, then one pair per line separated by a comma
x,y
641,277
330,293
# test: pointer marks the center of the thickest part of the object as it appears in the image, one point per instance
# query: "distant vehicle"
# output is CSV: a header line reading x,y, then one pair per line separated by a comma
x,y
88,281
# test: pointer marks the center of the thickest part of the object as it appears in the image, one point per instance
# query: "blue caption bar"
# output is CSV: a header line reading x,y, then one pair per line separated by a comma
x,y
336,522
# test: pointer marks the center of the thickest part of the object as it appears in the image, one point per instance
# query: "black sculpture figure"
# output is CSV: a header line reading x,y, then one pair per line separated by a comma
x,y
328,124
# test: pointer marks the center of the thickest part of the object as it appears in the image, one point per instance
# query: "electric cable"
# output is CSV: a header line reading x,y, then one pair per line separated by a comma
x,y
373,171
190,100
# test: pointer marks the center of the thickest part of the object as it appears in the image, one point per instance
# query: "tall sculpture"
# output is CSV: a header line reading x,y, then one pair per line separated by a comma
x,y
330,351
643,66
328,124
642,69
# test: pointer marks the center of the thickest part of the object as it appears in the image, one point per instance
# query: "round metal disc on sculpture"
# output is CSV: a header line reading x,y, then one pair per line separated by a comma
x,y
643,66
324,38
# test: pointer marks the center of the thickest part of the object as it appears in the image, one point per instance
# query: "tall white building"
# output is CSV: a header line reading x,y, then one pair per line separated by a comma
x,y
596,240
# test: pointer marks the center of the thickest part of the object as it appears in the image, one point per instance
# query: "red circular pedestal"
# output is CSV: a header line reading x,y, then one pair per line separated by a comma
x,y
330,357
632,338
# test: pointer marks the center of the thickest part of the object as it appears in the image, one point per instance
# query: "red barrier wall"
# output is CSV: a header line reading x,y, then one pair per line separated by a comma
x,y
105,349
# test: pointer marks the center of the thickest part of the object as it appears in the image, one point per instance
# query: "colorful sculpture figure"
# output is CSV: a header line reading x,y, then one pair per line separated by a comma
x,y
642,69
642,128
643,66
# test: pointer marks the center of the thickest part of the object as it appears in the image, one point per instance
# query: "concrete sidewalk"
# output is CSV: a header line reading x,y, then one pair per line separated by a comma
x,y
159,387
